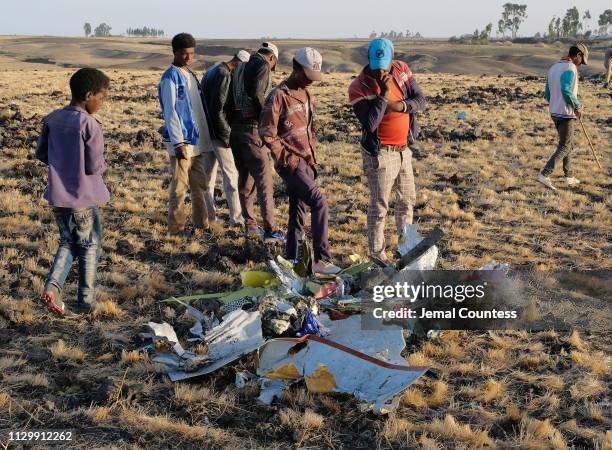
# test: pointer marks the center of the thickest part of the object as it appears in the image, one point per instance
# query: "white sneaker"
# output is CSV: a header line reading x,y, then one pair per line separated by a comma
x,y
571,181
545,181
325,268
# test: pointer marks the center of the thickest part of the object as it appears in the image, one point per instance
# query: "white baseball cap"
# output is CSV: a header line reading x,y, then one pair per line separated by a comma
x,y
312,61
269,46
243,55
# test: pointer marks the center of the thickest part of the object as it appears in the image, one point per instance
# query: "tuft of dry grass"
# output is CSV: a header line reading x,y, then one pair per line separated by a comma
x,y
27,379
131,357
299,398
9,362
61,350
577,341
107,308
552,382
540,434
490,391
98,414
513,412
190,394
548,404
414,398
5,400
453,350
211,279
301,424
418,359
587,387
396,429
312,420
596,363
594,411
187,393
19,312
451,429
161,425
427,443
439,394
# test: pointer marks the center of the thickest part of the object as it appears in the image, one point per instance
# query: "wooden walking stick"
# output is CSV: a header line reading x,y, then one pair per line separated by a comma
x,y
589,141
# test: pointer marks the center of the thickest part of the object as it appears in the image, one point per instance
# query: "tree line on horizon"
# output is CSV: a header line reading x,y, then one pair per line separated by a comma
x,y
395,36
145,32
103,30
571,25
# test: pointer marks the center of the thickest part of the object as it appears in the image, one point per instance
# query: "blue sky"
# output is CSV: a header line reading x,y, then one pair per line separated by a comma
x,y
287,18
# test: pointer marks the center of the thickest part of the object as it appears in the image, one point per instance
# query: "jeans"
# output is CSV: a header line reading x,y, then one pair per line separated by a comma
x,y
254,176
304,193
80,238
565,128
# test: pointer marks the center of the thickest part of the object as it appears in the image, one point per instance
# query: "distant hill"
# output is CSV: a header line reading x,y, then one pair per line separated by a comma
x,y
338,55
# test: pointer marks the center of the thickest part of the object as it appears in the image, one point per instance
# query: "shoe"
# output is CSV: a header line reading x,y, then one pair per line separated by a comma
x,y
325,268
50,297
83,308
253,233
545,181
274,235
571,181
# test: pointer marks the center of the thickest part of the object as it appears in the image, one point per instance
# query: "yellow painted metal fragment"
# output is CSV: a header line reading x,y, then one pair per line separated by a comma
x,y
286,372
321,380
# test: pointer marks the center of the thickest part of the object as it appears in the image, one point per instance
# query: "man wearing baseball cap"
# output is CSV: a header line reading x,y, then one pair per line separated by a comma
x,y
286,127
251,84
562,94
386,98
215,92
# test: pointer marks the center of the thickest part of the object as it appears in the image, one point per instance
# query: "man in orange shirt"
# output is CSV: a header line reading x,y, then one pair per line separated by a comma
x,y
386,98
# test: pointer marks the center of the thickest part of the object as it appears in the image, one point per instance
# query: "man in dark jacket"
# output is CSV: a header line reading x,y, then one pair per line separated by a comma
x,y
385,98
215,92
251,84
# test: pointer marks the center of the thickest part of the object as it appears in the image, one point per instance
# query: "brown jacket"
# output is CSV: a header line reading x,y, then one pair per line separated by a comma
x,y
287,128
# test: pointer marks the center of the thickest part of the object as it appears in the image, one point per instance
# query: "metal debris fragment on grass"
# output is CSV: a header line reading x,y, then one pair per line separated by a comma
x,y
239,334
291,285
366,364
223,297
418,253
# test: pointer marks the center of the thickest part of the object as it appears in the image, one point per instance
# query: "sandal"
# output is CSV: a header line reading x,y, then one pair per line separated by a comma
x,y
50,297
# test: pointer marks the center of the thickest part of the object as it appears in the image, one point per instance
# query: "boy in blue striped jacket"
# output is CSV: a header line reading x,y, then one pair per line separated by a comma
x,y
186,135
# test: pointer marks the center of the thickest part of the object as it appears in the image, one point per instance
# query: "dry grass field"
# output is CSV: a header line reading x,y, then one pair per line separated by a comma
x,y
475,179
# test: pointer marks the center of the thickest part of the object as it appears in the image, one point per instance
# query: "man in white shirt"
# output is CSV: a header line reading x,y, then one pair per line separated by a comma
x,y
561,91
